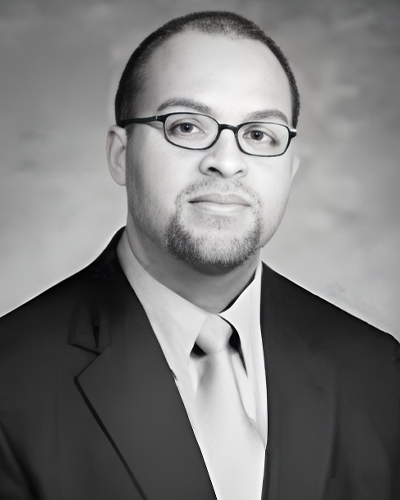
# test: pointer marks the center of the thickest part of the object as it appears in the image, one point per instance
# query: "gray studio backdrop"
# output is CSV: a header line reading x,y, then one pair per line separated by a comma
x,y
58,206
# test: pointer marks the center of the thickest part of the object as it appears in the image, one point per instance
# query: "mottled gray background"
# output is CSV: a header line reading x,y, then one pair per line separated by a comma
x,y
59,65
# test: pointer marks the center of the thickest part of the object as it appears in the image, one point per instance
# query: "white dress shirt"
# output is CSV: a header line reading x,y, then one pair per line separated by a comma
x,y
177,322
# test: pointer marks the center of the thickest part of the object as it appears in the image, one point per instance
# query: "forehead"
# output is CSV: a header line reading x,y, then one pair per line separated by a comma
x,y
231,76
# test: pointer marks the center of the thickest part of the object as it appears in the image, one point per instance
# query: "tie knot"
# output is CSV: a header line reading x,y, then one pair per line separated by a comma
x,y
214,334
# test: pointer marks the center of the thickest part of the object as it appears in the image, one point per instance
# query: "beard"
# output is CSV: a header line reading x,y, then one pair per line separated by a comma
x,y
212,244
220,246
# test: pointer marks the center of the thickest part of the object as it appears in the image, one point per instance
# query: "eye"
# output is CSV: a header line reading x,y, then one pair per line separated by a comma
x,y
262,134
183,128
190,129
256,135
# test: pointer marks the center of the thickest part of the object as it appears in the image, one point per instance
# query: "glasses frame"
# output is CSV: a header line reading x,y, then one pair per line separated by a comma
x,y
221,126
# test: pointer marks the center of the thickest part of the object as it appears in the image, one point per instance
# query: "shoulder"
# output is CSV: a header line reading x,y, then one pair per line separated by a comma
x,y
323,327
308,339
46,322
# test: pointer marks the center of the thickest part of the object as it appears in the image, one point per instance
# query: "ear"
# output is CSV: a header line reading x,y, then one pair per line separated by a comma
x,y
116,153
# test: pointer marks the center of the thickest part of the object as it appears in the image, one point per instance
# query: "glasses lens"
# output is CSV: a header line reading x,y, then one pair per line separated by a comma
x,y
263,138
191,130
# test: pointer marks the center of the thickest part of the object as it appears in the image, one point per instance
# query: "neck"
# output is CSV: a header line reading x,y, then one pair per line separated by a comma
x,y
210,289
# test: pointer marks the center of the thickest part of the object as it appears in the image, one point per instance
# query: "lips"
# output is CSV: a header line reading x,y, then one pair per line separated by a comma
x,y
221,199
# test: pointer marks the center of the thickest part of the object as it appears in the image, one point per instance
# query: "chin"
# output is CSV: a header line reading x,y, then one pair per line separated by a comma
x,y
214,251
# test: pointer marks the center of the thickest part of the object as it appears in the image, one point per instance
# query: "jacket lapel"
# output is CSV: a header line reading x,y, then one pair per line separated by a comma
x,y
132,394
301,402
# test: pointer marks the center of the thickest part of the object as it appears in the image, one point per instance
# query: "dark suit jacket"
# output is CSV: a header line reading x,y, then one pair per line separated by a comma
x,y
89,409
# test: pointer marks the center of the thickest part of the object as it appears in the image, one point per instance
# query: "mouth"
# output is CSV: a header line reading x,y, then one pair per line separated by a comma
x,y
220,204
221,199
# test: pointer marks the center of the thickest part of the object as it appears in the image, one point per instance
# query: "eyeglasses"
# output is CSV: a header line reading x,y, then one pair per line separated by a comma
x,y
197,131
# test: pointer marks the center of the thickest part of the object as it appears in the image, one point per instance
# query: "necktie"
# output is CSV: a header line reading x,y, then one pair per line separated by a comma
x,y
231,445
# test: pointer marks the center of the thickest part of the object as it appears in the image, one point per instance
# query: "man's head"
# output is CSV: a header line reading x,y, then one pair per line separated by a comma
x,y
133,78
213,208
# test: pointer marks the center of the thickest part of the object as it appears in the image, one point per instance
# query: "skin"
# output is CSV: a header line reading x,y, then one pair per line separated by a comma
x,y
229,203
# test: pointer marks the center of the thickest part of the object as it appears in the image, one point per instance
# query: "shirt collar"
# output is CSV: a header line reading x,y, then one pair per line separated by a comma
x,y
176,321
244,313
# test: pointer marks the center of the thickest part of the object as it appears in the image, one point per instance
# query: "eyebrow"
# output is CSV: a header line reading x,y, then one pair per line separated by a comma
x,y
203,108
266,114
185,103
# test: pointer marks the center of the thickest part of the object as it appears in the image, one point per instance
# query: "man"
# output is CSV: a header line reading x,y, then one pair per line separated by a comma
x,y
147,374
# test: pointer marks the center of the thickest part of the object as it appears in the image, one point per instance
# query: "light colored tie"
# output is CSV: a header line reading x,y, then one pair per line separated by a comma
x,y
230,443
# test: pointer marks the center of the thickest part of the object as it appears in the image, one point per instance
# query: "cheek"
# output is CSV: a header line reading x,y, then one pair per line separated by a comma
x,y
145,193
274,186
273,193
150,186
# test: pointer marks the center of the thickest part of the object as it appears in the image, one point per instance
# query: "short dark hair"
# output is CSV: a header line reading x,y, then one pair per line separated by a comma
x,y
210,22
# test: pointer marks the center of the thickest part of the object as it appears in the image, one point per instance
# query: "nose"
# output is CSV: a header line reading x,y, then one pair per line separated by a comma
x,y
224,159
